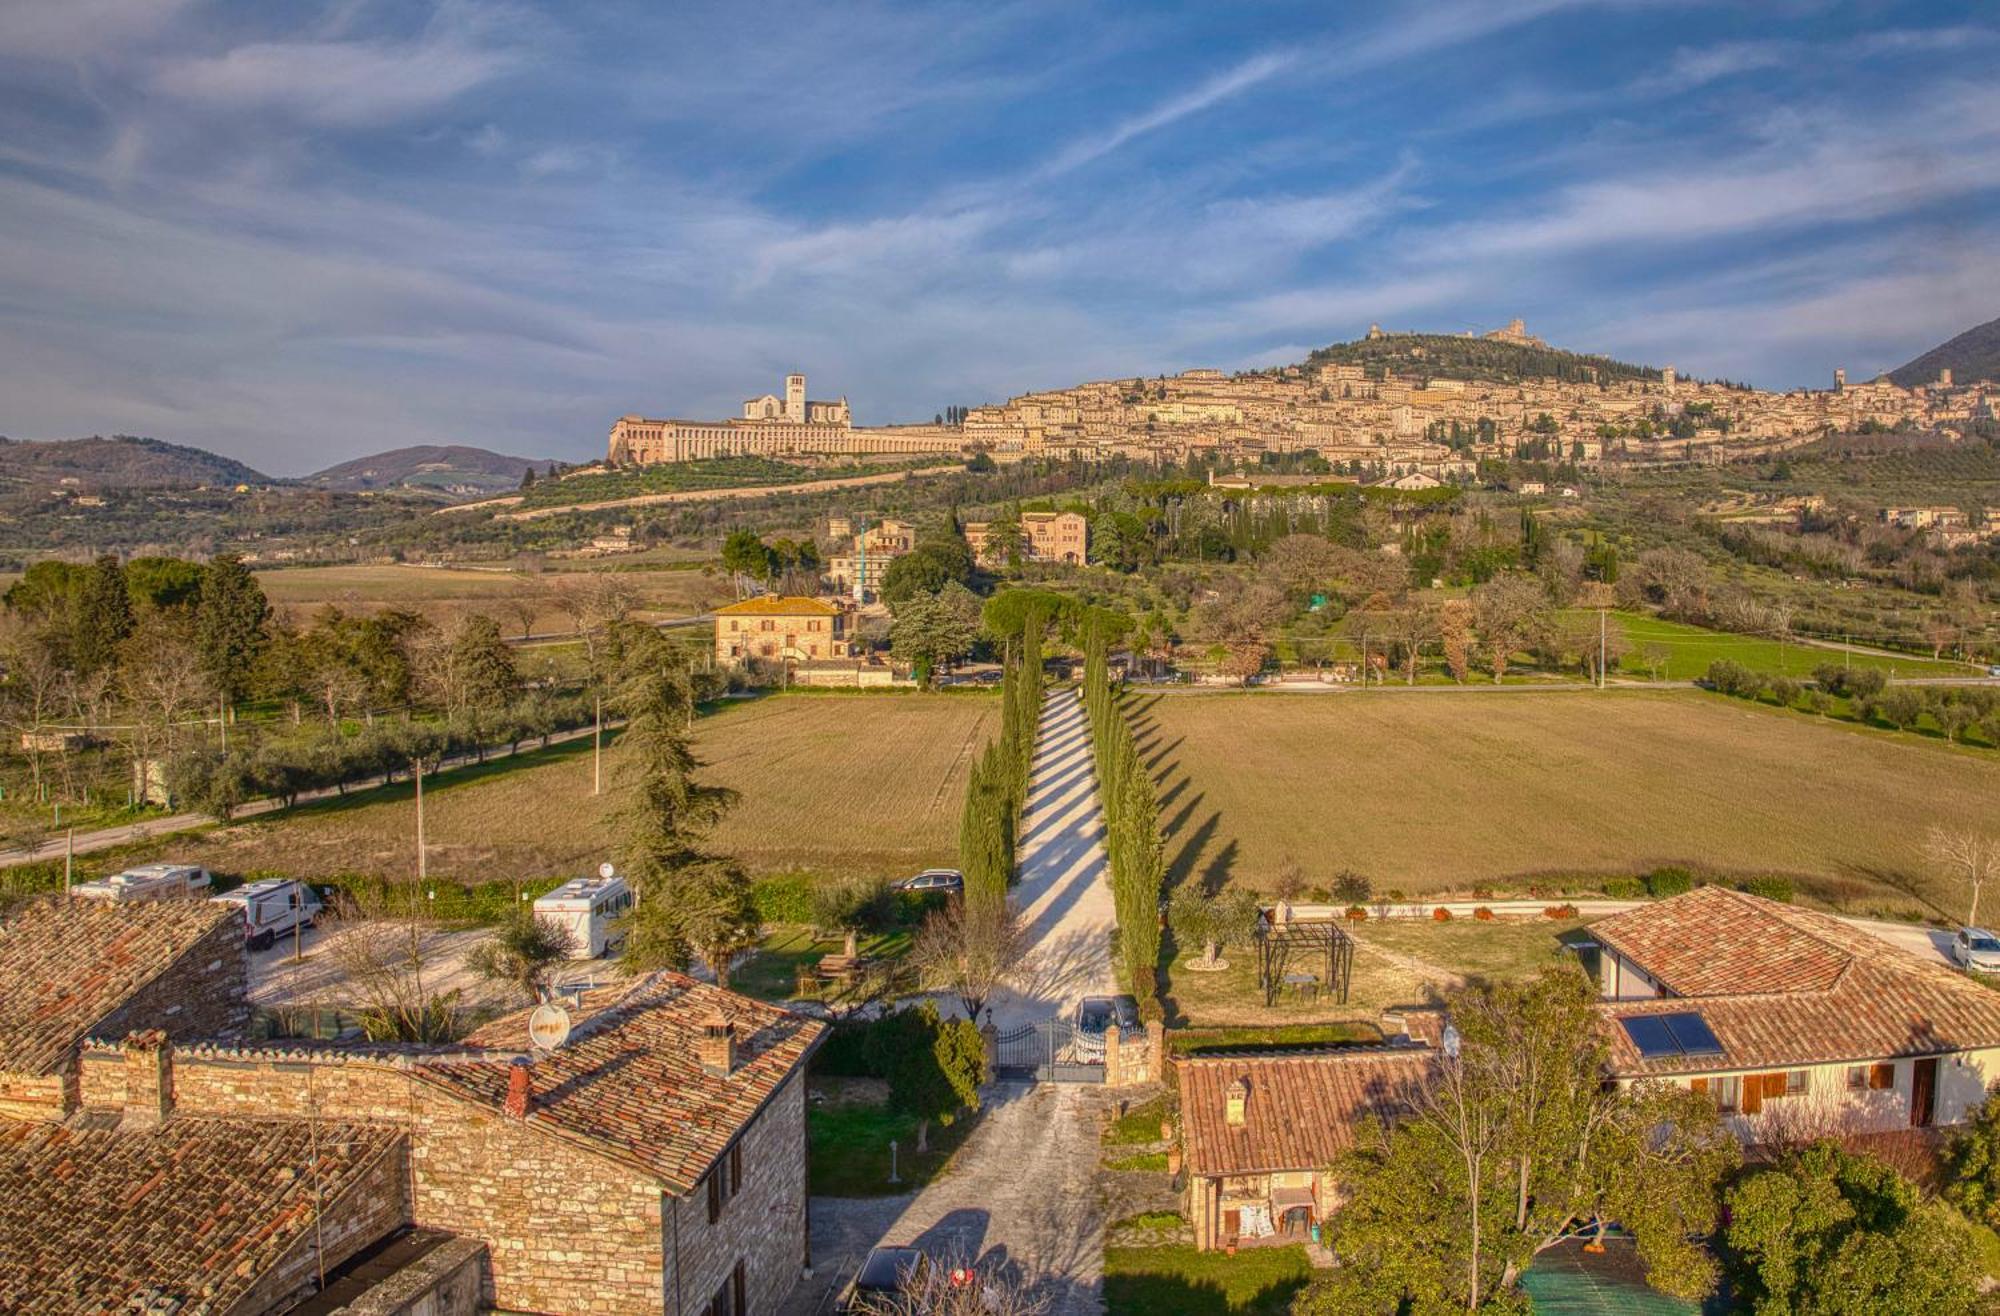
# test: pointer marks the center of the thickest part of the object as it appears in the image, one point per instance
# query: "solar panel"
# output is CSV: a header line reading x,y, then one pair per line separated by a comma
x,y
1649,1032
1659,1036
1694,1034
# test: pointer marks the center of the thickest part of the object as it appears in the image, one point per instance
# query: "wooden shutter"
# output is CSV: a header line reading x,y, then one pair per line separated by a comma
x,y
1698,1085
735,1168
1753,1093
1882,1077
715,1194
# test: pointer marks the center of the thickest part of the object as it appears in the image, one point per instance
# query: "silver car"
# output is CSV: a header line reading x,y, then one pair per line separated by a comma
x,y
1977,949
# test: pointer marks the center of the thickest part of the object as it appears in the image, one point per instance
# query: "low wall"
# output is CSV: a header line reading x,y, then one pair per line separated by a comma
x,y
443,1282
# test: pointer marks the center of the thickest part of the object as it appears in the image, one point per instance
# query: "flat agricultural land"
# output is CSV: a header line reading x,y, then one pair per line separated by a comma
x,y
830,784
1680,652
441,593
1444,790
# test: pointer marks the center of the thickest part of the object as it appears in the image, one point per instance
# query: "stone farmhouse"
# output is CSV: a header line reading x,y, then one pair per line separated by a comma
x,y
782,629
1062,537
857,573
793,426
1791,1018
653,1162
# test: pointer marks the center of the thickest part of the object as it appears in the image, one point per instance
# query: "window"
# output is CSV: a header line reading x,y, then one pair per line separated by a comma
x,y
1857,1078
728,1300
1798,1082
725,1180
1881,1077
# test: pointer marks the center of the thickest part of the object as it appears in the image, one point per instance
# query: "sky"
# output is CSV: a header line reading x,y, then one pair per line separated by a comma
x,y
298,233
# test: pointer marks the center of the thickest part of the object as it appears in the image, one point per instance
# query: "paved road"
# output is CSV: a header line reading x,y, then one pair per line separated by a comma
x,y
1021,1197
107,837
1064,893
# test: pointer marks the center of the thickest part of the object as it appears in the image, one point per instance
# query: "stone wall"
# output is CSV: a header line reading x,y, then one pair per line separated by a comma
x,y
446,1281
764,1227
204,993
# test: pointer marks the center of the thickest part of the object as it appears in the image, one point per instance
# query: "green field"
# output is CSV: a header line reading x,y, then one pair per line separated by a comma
x,y
1684,653
1432,791
441,593
829,784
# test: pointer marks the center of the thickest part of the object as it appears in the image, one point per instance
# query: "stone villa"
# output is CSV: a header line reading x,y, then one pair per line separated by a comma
x,y
782,629
1045,537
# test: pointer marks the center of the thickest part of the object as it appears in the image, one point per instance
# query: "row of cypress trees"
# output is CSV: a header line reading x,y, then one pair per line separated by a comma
x,y
997,790
1131,822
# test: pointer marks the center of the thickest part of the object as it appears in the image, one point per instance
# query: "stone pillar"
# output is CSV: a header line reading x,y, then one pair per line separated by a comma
x,y
149,1079
1113,1073
989,1038
1156,1051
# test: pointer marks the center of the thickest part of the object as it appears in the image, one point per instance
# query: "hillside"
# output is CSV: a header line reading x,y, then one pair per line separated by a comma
x,y
119,462
1972,356
453,470
1448,356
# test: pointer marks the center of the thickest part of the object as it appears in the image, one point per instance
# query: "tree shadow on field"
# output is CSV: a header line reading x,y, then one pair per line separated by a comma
x,y
1197,840
1157,761
1170,794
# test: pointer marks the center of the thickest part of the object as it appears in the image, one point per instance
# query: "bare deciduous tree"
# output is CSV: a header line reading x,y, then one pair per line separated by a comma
x,y
969,951
1966,858
383,960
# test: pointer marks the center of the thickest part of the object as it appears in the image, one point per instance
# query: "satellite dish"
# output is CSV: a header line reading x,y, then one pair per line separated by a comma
x,y
548,1027
605,870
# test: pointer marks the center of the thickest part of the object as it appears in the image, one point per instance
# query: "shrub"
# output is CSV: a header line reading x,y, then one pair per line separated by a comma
x,y
1351,887
1319,895
1901,707
1559,911
1771,888
1357,913
1482,893
1729,677
1441,914
1865,682
1669,881
1483,914
1785,690
783,898
1623,888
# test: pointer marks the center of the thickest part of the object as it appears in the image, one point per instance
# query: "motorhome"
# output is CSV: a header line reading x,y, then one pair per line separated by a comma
x,y
146,882
272,908
588,908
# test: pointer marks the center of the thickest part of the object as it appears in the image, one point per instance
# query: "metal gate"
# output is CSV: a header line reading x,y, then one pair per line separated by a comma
x,y
1053,1051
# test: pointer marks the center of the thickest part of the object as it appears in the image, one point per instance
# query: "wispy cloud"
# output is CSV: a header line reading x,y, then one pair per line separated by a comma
x,y
1222,86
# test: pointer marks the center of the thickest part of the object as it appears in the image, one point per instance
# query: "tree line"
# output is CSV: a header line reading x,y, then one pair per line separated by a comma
x,y
1131,826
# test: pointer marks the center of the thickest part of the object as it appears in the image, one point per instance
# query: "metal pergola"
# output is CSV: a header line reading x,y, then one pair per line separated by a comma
x,y
1319,945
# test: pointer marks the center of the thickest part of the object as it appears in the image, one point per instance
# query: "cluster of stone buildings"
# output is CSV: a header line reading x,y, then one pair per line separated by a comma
x,y
153,1159
1945,526
790,427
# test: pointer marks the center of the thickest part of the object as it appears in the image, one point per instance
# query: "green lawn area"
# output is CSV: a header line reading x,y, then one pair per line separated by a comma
x,y
1686,651
1139,1125
772,970
1145,1281
850,1148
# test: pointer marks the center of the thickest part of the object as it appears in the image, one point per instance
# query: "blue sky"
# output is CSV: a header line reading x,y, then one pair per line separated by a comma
x,y
299,233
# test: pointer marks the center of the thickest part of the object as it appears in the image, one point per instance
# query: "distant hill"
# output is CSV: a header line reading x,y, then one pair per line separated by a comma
x,y
452,470
119,462
1973,355
1450,356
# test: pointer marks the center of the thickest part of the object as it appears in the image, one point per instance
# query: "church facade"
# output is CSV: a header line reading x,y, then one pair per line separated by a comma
x,y
773,426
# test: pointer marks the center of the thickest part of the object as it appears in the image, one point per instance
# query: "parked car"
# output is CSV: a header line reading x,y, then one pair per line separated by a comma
x,y
1094,1017
146,882
887,1274
1976,948
947,880
271,908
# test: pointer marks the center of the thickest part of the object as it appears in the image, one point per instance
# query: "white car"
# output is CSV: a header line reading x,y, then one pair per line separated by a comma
x,y
1977,949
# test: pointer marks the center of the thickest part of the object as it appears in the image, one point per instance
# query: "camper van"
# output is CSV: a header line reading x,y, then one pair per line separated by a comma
x,y
588,907
272,908
146,882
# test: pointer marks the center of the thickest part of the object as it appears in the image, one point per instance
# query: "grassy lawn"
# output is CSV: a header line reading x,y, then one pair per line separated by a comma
x,y
1139,1125
772,970
1687,651
850,1148
1436,792
1141,1281
830,786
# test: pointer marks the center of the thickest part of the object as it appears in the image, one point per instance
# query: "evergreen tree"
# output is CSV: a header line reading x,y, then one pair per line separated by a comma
x,y
229,626
101,618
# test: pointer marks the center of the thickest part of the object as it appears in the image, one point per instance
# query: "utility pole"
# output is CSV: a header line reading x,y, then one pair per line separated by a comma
x,y
597,749
1600,648
69,857
222,721
422,869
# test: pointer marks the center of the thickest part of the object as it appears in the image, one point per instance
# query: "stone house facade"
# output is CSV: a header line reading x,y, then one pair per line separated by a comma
x,y
781,630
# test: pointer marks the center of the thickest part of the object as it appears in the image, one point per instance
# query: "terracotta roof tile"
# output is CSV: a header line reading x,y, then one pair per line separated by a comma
x,y
1303,1107
65,964
1834,994
629,1080
183,1218
771,606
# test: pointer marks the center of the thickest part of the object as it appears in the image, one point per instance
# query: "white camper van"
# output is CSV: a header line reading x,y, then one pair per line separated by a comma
x,y
146,882
272,908
588,907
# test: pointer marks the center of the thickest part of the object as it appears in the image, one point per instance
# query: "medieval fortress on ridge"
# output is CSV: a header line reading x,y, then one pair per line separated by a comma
x,y
1368,420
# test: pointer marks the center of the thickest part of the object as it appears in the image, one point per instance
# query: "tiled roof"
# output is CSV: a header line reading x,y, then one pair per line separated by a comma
x,y
629,1081
184,1218
767,605
1303,1107
1837,994
1713,940
65,964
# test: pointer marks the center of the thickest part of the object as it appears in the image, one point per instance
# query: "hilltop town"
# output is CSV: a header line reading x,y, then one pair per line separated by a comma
x,y
1389,405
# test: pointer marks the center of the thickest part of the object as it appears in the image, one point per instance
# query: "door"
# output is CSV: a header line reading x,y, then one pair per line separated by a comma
x,y
1923,1092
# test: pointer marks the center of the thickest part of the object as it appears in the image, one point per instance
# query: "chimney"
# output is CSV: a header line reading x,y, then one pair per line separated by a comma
x,y
520,1089
149,1079
1237,1100
718,1046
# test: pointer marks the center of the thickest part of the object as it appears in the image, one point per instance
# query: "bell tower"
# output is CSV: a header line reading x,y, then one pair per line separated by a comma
x,y
795,398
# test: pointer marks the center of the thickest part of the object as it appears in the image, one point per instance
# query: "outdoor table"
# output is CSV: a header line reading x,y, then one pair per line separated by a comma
x,y
1301,982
